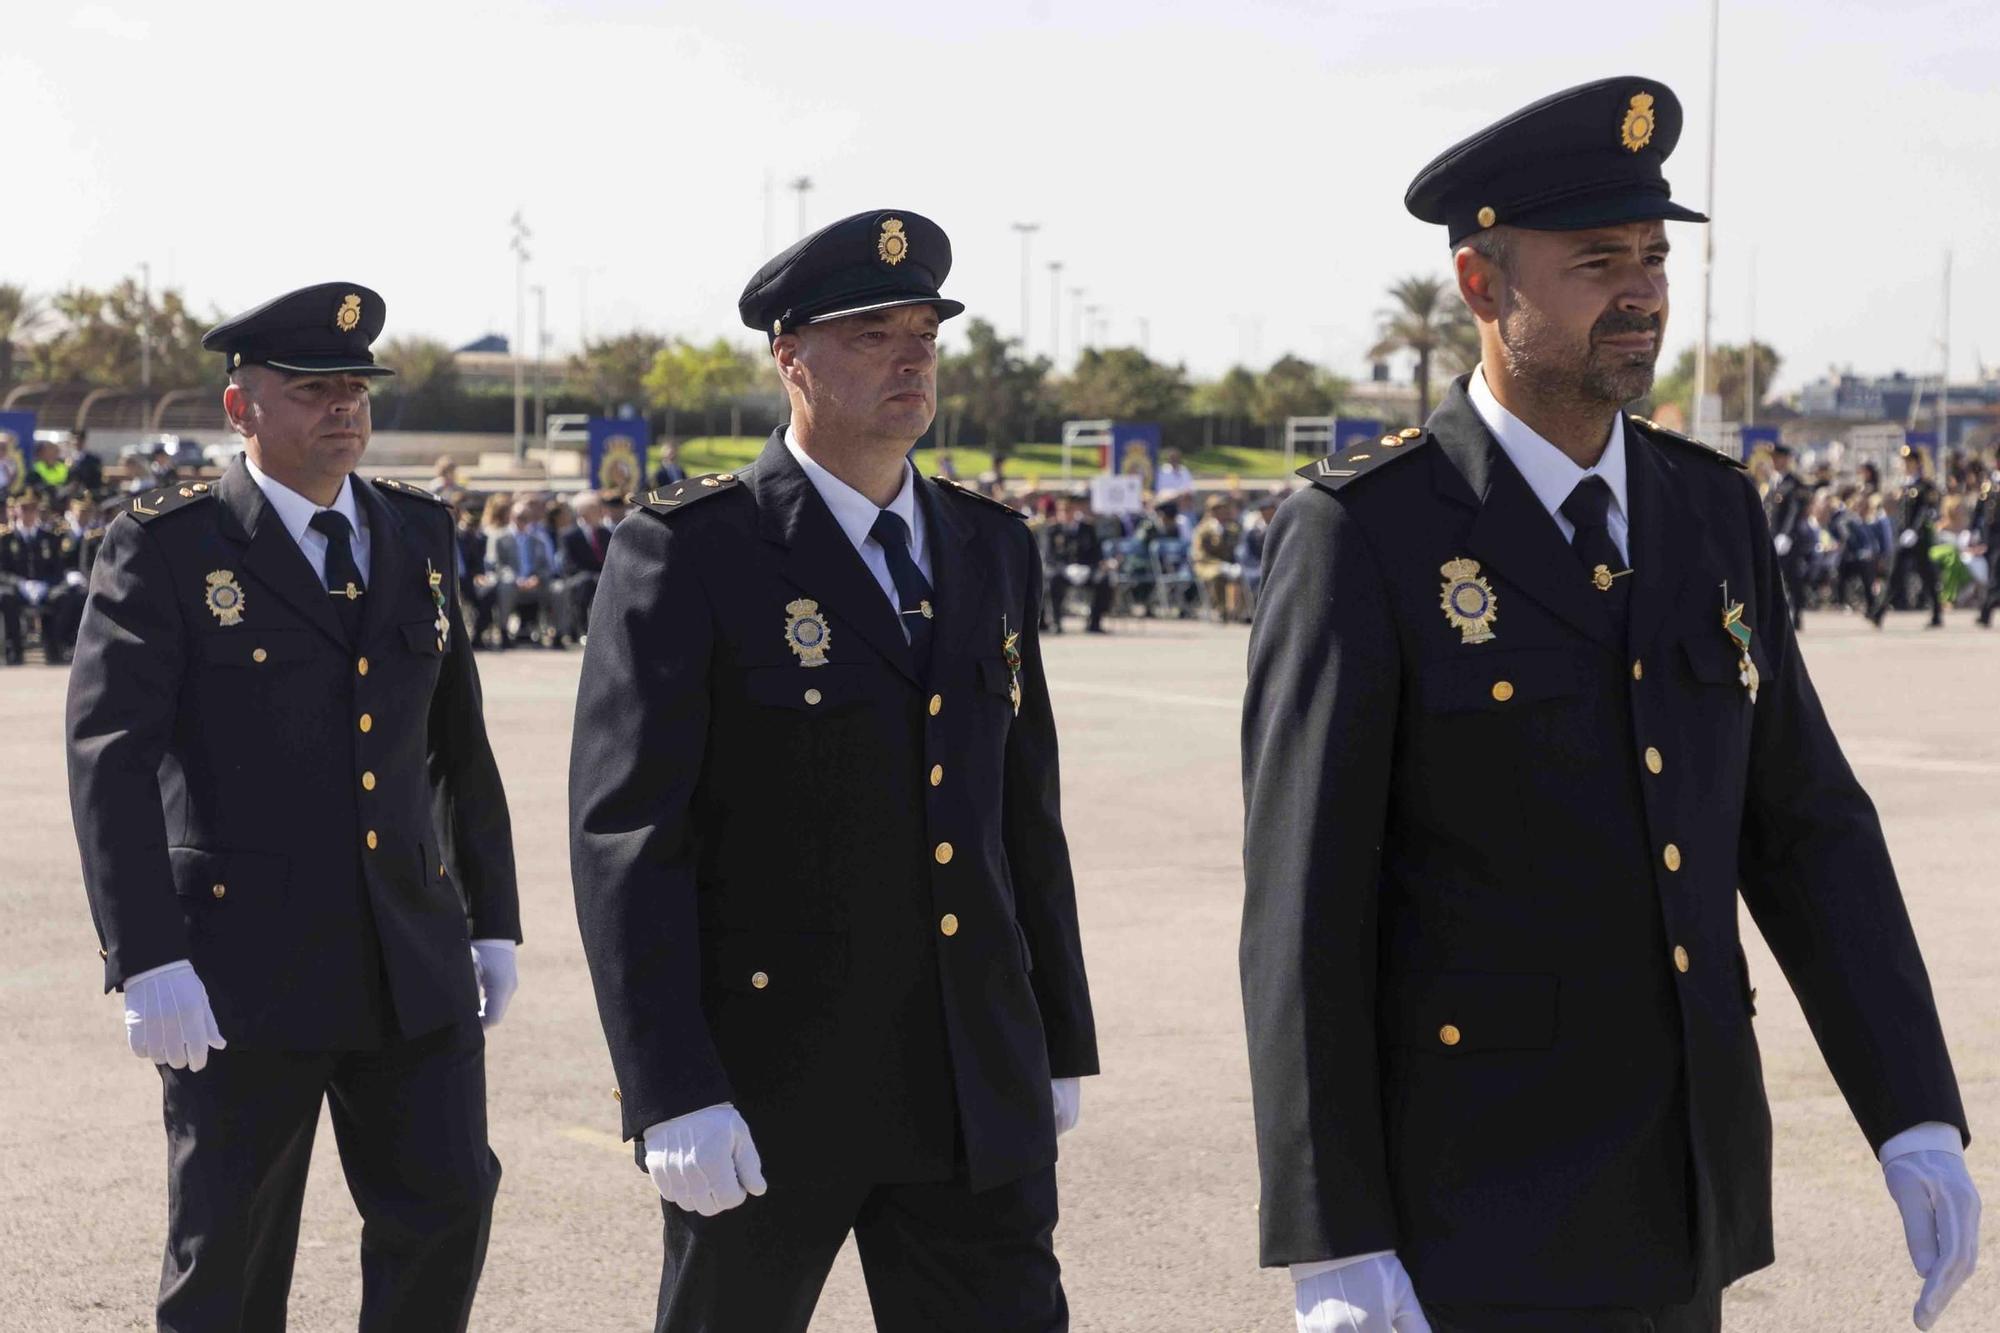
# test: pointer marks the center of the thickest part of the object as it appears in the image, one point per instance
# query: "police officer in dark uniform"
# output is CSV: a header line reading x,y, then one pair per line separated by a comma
x,y
1916,532
817,847
1075,544
1525,709
1986,522
1790,507
33,574
295,841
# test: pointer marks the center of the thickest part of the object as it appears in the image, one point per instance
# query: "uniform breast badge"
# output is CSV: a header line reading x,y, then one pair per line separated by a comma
x,y
806,632
1602,578
225,597
443,622
1469,602
1010,648
1739,634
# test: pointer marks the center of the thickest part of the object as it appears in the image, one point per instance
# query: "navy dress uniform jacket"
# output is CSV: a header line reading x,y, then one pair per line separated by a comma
x,y
836,895
319,826
1499,1016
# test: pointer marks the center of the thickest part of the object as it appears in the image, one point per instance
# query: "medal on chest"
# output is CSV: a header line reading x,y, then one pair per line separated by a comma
x,y
1010,648
1469,603
443,622
806,632
1739,634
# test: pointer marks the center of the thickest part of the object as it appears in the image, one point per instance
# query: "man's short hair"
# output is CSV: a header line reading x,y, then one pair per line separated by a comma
x,y
1496,245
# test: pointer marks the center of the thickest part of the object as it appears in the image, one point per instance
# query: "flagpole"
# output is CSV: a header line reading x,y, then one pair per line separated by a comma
x,y
1700,427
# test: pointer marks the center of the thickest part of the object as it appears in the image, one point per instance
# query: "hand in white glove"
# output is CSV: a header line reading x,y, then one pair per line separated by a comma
x,y
1068,1094
493,963
75,579
167,1017
1782,544
704,1161
1908,539
34,592
1940,1208
1371,1294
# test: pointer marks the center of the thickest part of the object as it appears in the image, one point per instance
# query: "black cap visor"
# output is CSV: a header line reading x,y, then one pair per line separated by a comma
x,y
945,308
297,364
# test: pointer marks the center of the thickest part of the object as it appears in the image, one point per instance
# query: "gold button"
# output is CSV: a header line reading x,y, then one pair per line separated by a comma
x,y
1680,959
440,870
362,666
1672,857
1638,670
258,655
944,853
371,840
949,925
759,980
1411,433
725,476
103,955
617,1096
937,703
368,782
1449,1035
812,696
937,774
1652,759
367,723
1487,217
1503,690
219,891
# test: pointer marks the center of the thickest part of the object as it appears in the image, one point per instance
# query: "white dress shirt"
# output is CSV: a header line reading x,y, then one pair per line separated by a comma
x,y
1551,473
856,514
296,513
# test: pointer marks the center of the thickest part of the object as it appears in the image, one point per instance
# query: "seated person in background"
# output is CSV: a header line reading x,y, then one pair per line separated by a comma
x,y
86,470
160,469
1214,544
477,590
615,507
1174,480
524,564
1250,550
1077,560
669,472
583,548
444,477
33,575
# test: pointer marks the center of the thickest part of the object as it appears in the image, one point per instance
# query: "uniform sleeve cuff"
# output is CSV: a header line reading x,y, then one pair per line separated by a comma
x,y
1300,1272
1931,1136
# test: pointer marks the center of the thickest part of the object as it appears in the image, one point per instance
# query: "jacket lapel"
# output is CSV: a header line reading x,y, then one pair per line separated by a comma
x,y
1666,540
820,561
270,554
390,561
1512,536
959,577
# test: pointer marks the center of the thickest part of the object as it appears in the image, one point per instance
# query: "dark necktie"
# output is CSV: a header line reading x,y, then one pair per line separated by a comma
x,y
913,590
343,576
1588,508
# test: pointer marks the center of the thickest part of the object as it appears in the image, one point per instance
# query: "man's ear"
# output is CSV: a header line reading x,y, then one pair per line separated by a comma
x,y
1479,283
785,353
236,406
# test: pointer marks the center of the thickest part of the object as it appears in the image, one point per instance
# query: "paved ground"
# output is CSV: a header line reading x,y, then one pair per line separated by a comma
x,y
1158,1181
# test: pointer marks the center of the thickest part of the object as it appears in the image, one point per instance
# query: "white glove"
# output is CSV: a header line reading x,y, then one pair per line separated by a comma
x,y
1068,1094
1940,1207
493,963
75,579
1908,539
167,1018
34,592
704,1161
1370,1294
1782,543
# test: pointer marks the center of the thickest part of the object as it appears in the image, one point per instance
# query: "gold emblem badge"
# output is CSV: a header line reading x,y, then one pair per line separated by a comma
x,y
891,246
225,597
618,470
349,315
1602,578
1637,131
1469,603
807,632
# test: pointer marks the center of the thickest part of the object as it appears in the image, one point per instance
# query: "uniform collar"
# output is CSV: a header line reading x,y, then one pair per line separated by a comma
x,y
1550,473
855,512
294,510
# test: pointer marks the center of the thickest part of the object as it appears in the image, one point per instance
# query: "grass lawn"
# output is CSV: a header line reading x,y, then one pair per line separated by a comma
x,y
1033,463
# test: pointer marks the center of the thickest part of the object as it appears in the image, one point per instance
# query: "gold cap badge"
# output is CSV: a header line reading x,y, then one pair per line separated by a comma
x,y
1469,603
349,315
1637,131
891,246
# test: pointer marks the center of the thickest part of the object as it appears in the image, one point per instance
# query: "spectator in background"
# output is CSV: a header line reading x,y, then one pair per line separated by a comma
x,y
583,549
1214,543
477,588
614,508
944,467
444,477
1077,560
160,469
1174,480
50,473
669,472
1250,551
86,470
524,565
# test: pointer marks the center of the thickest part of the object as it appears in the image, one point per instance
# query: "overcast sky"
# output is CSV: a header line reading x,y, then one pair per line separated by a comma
x,y
1231,171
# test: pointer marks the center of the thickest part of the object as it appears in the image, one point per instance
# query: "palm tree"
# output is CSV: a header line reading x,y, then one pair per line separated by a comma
x,y
20,315
1429,320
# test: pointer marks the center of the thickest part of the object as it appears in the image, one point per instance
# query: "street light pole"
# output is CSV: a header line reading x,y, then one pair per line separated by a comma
x,y
146,327
801,187
1055,312
541,348
1076,313
1707,232
1027,229
519,245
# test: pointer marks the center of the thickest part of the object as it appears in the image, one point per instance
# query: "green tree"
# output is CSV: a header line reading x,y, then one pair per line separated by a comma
x,y
1125,384
1726,366
425,383
611,371
994,387
700,377
1430,321
1295,387
97,340
21,316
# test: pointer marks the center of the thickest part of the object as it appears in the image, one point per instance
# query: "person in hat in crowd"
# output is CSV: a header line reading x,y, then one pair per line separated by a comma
x,y
817,846
34,568
295,842
1525,709
1790,508
1917,506
1077,560
584,545
86,469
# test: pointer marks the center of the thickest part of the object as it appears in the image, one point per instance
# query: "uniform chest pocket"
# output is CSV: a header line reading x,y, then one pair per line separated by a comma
x,y
812,690
422,638
1713,659
1498,682
251,648
1460,1013
995,677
